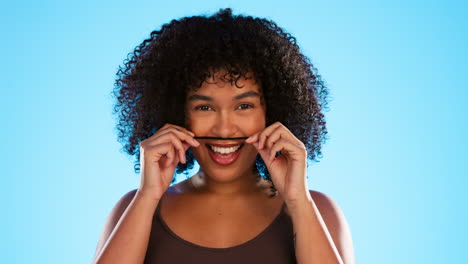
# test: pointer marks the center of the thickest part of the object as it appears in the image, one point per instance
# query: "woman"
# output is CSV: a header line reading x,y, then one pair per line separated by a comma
x,y
235,94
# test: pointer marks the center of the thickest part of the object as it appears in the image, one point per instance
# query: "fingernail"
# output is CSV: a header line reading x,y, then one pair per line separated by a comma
x,y
196,142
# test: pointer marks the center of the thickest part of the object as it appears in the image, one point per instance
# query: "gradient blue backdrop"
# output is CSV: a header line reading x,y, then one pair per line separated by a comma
x,y
395,161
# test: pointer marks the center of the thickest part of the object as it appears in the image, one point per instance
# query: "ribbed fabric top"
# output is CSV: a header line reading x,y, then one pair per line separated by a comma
x,y
274,245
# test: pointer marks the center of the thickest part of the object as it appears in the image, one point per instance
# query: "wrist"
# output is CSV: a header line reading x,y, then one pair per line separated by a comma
x,y
146,196
299,202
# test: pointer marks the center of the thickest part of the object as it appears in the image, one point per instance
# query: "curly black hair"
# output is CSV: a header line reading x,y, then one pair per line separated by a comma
x,y
152,85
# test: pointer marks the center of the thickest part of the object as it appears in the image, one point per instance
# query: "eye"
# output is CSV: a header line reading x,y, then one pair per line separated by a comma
x,y
245,106
203,107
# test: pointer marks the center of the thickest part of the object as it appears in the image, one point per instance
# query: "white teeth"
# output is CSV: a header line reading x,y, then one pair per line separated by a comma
x,y
225,150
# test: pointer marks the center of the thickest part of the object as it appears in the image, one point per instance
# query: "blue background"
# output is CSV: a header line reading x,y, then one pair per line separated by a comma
x,y
395,161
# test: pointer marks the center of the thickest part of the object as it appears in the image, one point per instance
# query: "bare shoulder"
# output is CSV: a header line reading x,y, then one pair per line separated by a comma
x,y
121,205
124,201
128,197
329,210
323,201
336,224
113,218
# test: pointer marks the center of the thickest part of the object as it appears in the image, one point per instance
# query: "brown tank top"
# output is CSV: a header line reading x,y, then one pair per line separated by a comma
x,y
274,245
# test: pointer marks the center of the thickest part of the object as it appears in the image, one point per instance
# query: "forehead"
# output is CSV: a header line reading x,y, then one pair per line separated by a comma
x,y
220,84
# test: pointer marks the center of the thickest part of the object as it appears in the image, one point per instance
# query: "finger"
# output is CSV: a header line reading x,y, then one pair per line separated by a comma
x,y
186,145
263,153
175,143
281,132
175,163
278,147
167,151
172,156
173,133
284,146
181,129
178,128
182,149
273,137
266,132
187,137
278,134
253,138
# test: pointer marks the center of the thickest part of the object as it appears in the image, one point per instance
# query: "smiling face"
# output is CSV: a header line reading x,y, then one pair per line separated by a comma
x,y
221,109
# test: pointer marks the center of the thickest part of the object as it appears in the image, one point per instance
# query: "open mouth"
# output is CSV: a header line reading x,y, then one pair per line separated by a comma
x,y
224,155
225,150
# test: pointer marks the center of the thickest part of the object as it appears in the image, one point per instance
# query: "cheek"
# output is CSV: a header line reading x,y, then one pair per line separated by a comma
x,y
199,128
192,124
251,123
257,123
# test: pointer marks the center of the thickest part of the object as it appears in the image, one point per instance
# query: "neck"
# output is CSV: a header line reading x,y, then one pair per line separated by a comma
x,y
242,186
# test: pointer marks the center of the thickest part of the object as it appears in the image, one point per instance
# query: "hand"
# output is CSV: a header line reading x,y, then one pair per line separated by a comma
x,y
288,170
159,155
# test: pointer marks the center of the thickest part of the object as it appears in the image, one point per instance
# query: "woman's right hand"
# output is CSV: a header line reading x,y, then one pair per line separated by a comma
x,y
159,156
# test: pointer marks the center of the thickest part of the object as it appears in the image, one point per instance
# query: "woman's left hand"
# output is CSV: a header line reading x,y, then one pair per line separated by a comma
x,y
288,170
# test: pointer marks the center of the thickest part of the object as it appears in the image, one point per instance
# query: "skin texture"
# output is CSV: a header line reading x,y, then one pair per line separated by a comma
x,y
221,116
259,56
224,189
294,93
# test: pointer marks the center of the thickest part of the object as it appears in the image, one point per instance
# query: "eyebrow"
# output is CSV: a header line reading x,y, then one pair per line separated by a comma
x,y
237,97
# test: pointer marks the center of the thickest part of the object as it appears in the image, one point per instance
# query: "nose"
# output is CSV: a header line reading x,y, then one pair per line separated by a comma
x,y
225,126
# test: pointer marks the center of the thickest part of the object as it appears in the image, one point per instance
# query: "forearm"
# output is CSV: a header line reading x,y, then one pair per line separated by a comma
x,y
313,242
129,239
